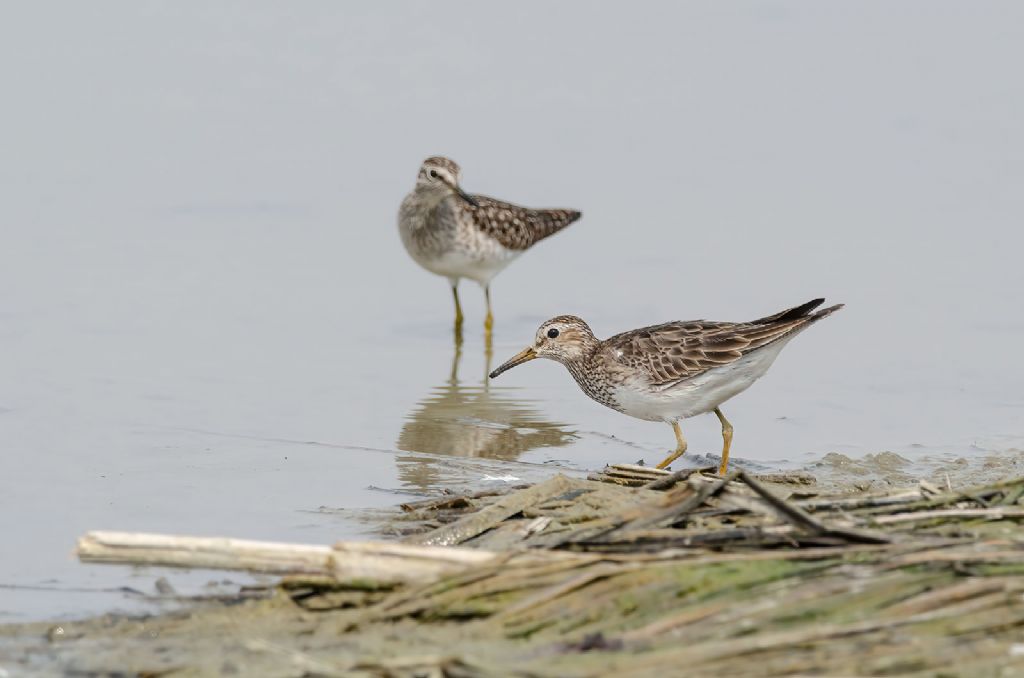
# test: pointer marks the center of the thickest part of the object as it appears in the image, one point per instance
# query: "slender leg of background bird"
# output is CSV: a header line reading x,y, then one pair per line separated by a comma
x,y
726,442
489,320
680,446
458,313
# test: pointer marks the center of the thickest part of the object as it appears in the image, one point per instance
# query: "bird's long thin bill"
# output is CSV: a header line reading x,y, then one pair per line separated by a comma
x,y
524,356
467,197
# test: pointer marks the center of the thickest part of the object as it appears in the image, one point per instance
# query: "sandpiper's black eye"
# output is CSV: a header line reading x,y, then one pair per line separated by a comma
x,y
552,333
433,174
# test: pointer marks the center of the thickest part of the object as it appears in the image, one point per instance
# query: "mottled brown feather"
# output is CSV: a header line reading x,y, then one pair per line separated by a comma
x,y
515,227
673,352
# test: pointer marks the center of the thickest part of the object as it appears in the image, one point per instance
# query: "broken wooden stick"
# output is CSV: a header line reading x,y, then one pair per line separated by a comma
x,y
383,563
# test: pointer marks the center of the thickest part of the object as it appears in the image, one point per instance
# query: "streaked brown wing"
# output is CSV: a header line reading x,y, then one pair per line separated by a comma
x,y
517,228
674,352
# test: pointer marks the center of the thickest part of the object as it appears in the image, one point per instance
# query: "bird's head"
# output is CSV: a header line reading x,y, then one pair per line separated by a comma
x,y
441,176
564,338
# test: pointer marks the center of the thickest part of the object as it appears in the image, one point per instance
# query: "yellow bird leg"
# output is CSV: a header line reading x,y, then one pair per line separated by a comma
x,y
680,446
726,442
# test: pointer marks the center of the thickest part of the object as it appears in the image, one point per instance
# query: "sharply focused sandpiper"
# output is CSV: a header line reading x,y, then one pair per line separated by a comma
x,y
671,371
452,233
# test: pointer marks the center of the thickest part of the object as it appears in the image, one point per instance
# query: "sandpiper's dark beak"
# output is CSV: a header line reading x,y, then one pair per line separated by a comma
x,y
524,356
466,196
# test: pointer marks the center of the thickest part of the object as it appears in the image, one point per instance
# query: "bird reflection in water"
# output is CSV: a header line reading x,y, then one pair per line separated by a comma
x,y
470,419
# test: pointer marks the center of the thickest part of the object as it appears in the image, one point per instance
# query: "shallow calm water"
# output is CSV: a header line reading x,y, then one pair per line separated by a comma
x,y
208,324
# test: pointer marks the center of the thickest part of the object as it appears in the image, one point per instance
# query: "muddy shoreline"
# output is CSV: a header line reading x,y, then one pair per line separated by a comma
x,y
772,596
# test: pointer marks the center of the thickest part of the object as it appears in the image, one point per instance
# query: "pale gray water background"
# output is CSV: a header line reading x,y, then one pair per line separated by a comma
x,y
200,272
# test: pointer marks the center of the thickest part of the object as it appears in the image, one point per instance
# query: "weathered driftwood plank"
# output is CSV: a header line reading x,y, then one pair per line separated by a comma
x,y
203,552
385,562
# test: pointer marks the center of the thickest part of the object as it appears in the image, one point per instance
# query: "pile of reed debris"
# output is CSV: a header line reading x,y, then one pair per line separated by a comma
x,y
640,572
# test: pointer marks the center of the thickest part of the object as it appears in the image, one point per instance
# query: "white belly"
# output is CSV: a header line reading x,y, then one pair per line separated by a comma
x,y
473,265
701,394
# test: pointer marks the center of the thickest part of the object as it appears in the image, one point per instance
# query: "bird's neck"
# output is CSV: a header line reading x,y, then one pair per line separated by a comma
x,y
585,370
578,369
582,366
424,199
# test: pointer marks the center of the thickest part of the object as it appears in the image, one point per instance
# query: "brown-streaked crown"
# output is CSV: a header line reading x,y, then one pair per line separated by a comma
x,y
445,167
441,161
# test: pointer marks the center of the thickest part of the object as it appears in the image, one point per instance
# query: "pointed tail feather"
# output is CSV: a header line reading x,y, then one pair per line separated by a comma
x,y
825,312
792,313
